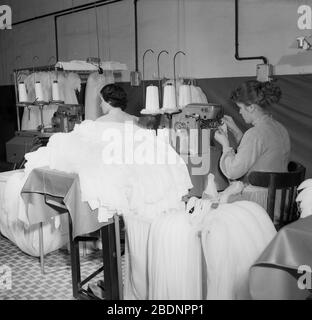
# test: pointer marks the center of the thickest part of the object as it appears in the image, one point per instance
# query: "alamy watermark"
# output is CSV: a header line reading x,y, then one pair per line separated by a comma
x,y
305,280
5,278
129,145
5,17
305,17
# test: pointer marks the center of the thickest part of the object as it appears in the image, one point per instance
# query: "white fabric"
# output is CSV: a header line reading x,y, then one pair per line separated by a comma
x,y
233,237
146,189
174,259
117,115
94,86
304,198
11,206
80,65
136,258
68,84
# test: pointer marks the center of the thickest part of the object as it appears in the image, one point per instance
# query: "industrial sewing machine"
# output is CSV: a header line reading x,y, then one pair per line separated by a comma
x,y
194,129
66,117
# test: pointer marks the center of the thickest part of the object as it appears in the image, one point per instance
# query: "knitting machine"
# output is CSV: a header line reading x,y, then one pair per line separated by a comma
x,y
194,130
66,117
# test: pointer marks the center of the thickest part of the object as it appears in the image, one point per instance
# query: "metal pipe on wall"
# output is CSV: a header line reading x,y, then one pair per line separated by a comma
x,y
60,12
237,57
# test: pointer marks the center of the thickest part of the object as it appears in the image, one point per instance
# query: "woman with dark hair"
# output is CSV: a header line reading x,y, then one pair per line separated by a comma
x,y
114,102
265,146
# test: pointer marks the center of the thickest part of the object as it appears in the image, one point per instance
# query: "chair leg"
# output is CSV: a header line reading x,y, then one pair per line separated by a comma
x,y
41,247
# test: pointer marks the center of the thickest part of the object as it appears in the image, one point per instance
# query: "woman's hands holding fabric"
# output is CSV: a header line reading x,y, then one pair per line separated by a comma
x,y
228,120
220,136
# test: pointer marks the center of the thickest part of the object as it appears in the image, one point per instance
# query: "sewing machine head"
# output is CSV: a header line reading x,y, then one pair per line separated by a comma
x,y
206,116
193,139
66,117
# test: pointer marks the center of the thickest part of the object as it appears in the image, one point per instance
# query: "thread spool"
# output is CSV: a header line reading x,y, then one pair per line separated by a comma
x,y
169,98
56,91
38,91
152,99
184,96
22,94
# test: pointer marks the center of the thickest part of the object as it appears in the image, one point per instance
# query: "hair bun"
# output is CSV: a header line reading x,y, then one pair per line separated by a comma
x,y
269,93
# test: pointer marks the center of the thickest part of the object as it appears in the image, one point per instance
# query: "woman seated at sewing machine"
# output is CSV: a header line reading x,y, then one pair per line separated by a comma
x,y
266,145
114,102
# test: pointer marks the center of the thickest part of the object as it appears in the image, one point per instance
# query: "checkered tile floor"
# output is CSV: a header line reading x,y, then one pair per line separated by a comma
x,y
29,284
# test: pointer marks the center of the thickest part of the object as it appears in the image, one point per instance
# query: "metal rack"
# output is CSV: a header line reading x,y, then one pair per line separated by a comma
x,y
27,71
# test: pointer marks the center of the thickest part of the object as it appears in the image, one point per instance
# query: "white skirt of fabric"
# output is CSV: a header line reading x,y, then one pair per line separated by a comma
x,y
23,236
233,237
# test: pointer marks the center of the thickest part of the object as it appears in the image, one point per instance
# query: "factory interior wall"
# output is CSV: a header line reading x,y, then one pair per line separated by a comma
x,y
203,29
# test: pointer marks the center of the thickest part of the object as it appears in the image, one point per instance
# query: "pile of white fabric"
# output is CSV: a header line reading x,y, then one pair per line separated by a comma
x,y
203,252
114,178
233,236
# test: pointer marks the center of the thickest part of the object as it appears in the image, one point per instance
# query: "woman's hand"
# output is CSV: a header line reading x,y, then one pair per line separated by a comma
x,y
228,120
233,127
220,136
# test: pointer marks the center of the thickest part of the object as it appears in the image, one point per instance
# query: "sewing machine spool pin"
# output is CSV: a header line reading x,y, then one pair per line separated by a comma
x,y
175,75
143,77
159,79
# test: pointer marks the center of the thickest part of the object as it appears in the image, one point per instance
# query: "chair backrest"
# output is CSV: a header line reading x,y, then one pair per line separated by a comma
x,y
287,182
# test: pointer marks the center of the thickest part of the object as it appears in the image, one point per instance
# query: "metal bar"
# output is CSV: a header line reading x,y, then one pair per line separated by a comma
x,y
73,260
91,276
237,57
106,262
113,262
175,76
69,10
90,6
56,39
143,82
41,247
17,100
158,73
136,35
118,256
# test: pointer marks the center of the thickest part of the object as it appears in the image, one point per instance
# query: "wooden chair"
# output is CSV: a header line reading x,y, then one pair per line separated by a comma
x,y
287,182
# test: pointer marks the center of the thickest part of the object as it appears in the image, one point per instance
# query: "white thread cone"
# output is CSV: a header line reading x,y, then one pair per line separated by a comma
x,y
56,91
184,96
22,94
169,98
38,90
152,99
